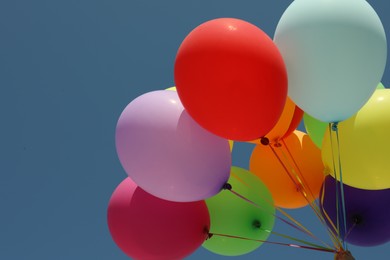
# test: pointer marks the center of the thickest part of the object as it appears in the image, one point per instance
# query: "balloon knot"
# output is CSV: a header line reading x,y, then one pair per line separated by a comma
x,y
256,224
334,126
207,233
264,141
227,186
343,255
356,219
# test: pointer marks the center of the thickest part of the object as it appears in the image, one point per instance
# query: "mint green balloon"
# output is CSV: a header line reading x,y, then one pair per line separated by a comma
x,y
231,215
316,128
335,53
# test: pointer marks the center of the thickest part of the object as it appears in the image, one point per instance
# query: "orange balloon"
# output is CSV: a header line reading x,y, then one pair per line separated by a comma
x,y
283,124
292,170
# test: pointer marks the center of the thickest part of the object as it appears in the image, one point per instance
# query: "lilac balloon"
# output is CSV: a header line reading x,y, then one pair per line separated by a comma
x,y
167,153
367,213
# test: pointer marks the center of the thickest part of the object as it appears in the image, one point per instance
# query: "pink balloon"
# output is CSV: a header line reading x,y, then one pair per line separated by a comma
x,y
167,153
146,227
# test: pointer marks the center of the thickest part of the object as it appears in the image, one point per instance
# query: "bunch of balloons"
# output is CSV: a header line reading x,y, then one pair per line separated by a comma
x,y
235,83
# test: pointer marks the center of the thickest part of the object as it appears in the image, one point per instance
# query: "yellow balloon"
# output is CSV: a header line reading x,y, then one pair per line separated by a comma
x,y
231,143
364,143
171,88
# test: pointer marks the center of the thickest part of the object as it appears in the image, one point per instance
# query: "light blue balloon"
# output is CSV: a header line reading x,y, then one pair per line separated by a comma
x,y
335,53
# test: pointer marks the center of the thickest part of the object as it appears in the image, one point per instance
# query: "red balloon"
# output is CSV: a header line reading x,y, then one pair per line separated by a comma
x,y
227,72
146,227
295,121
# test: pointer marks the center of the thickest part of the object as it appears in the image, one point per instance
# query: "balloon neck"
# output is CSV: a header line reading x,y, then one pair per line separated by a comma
x,y
335,126
264,141
256,224
227,186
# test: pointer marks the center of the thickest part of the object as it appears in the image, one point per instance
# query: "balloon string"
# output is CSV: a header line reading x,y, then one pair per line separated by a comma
x,y
333,127
339,190
232,174
311,201
295,239
275,243
350,229
302,189
341,185
334,237
296,165
303,182
336,186
294,176
285,168
299,226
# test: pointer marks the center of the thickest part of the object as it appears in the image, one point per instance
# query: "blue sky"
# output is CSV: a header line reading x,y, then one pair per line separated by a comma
x,y
67,70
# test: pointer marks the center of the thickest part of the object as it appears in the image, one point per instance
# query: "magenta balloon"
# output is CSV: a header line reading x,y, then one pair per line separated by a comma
x,y
167,153
148,228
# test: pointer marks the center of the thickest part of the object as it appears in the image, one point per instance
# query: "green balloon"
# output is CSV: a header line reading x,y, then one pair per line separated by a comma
x,y
380,86
315,129
232,215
